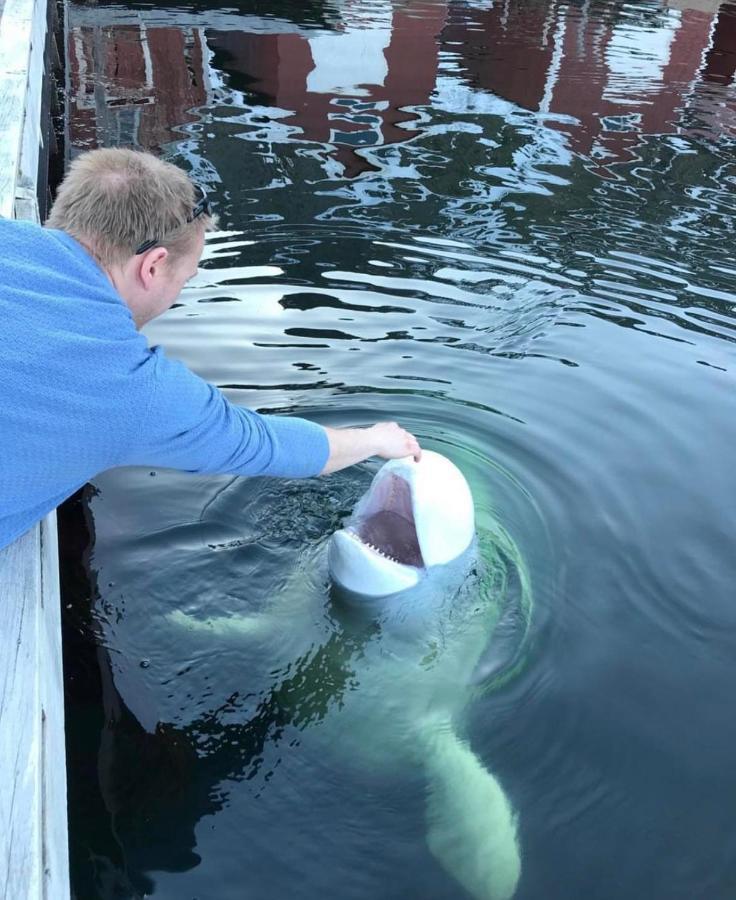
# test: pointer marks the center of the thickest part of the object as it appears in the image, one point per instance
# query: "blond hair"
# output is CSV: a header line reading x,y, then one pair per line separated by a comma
x,y
113,200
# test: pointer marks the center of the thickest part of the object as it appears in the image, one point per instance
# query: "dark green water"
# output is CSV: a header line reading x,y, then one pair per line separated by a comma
x,y
509,226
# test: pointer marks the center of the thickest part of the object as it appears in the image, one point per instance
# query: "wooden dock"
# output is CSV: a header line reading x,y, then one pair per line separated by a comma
x,y
34,857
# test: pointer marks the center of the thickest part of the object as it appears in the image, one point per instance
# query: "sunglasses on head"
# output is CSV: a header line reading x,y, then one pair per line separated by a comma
x,y
201,208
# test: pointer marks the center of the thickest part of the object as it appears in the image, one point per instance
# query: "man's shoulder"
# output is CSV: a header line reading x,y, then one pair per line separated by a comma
x,y
16,228
27,240
35,254
51,288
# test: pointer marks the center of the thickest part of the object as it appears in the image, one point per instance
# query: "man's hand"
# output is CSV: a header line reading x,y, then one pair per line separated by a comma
x,y
392,442
352,445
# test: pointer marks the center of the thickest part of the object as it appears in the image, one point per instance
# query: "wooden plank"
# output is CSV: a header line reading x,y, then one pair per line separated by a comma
x,y
34,858
20,718
32,136
33,823
16,30
54,862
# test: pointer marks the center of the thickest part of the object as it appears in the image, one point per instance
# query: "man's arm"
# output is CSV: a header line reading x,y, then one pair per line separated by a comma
x,y
352,445
190,425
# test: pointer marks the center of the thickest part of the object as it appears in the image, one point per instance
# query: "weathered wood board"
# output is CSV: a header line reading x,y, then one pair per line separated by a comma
x,y
33,812
22,42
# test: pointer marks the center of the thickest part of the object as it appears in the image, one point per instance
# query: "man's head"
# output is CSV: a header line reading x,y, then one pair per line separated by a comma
x,y
141,219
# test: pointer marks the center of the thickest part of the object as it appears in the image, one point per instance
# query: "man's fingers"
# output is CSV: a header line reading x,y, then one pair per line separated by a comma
x,y
398,441
414,448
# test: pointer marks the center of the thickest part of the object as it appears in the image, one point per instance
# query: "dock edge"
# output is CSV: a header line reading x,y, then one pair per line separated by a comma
x,y
34,848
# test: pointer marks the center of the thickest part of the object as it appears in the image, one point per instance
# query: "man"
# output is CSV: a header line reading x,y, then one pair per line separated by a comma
x,y
81,391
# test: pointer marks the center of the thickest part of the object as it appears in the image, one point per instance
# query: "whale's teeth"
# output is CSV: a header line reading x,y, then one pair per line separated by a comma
x,y
356,537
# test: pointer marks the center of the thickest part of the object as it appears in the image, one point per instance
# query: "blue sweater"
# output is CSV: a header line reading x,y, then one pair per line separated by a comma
x,y
81,391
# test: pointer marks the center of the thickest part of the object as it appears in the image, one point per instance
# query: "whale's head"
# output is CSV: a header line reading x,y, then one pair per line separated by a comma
x,y
414,515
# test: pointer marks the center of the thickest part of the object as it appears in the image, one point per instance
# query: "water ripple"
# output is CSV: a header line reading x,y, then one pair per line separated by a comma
x,y
522,250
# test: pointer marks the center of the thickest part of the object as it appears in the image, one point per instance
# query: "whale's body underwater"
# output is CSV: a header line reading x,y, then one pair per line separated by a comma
x,y
409,541
417,595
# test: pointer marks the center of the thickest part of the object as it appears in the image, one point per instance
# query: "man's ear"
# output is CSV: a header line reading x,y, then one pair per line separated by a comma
x,y
150,264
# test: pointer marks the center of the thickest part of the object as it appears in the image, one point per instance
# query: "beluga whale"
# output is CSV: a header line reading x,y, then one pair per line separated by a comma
x,y
409,548
378,640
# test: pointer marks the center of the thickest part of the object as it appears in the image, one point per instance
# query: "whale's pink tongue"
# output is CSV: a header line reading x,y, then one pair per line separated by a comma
x,y
394,535
387,520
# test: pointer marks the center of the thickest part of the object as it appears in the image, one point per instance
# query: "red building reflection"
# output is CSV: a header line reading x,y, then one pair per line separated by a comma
x,y
387,78
364,84
558,60
132,85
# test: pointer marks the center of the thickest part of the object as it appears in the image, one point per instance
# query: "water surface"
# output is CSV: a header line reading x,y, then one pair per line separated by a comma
x,y
508,225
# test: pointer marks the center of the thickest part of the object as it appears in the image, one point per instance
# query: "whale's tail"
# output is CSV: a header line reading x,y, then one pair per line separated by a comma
x,y
471,828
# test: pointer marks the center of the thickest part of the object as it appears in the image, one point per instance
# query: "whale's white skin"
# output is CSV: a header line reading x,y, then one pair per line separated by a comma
x,y
410,678
471,827
414,516
417,520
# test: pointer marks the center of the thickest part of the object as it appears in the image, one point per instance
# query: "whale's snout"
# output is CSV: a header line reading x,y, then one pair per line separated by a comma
x,y
378,551
413,516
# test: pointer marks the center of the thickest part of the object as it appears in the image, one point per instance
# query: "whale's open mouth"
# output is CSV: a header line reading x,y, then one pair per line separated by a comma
x,y
384,522
414,517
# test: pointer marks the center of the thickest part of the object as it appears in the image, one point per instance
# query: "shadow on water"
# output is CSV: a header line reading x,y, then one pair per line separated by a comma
x,y
151,786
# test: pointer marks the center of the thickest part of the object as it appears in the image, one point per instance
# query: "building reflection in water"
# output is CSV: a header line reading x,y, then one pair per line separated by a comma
x,y
131,85
364,82
350,88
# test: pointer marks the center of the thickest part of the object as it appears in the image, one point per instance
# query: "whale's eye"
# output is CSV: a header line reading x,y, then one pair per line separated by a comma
x,y
387,521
